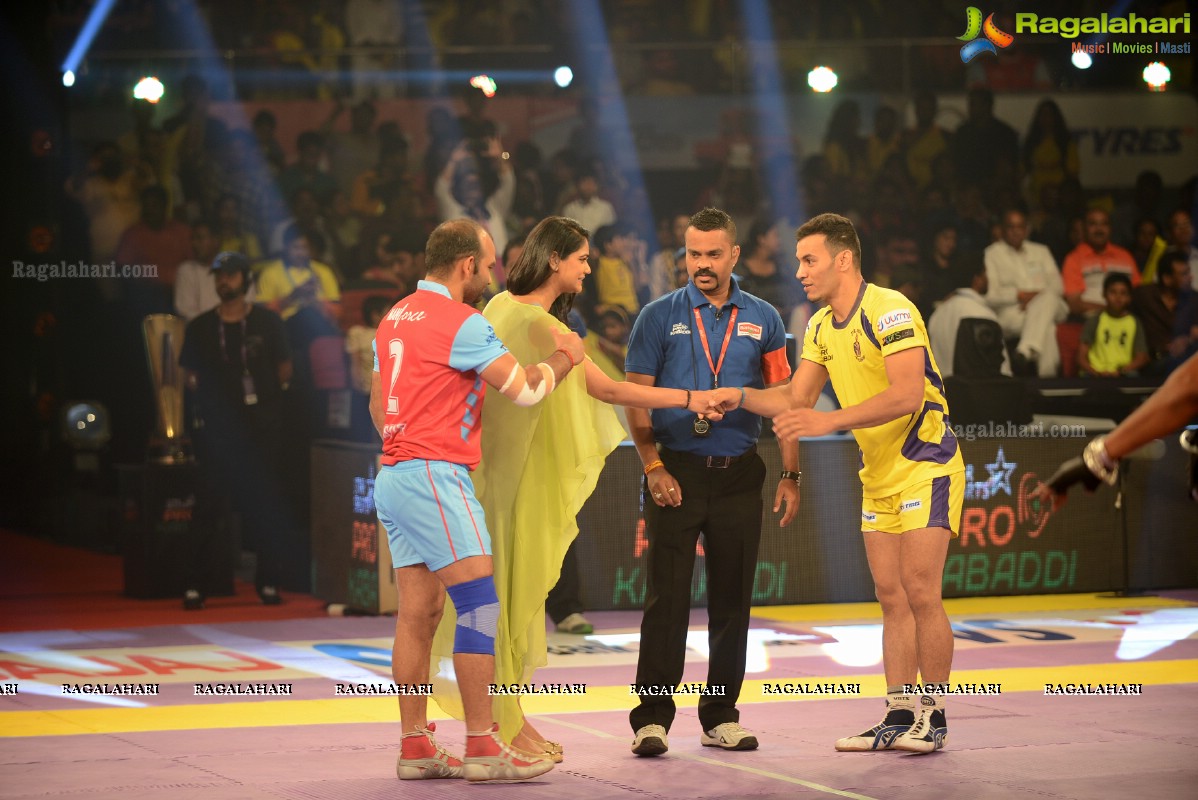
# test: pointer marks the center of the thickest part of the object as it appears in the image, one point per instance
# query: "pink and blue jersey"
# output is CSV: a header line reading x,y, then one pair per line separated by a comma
x,y
429,351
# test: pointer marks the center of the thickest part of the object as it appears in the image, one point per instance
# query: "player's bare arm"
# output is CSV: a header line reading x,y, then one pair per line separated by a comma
x,y
787,492
904,395
1168,409
801,391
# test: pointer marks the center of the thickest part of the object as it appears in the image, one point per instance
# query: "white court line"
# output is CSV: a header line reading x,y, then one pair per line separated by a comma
x,y
819,787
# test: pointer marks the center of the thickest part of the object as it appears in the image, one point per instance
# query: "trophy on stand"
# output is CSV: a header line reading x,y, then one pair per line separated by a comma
x,y
164,341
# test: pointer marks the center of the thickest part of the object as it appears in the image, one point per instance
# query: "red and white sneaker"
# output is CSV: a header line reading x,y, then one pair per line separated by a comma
x,y
489,759
421,758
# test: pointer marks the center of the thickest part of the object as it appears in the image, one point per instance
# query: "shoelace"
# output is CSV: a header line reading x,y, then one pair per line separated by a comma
x,y
441,751
922,725
734,726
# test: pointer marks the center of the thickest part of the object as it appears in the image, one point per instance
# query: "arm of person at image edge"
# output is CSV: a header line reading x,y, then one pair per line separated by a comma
x,y
523,385
1169,408
659,479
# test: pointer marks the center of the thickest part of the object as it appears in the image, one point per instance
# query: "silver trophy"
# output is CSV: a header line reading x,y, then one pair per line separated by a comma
x,y
164,342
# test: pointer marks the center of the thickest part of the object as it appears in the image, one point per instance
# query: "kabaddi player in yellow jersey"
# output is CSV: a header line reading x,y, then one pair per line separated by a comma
x,y
873,345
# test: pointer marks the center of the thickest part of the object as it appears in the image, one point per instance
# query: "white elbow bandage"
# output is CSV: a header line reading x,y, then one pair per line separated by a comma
x,y
529,396
510,378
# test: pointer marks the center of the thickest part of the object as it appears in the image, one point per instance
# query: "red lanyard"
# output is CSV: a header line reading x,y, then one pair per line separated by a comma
x,y
715,366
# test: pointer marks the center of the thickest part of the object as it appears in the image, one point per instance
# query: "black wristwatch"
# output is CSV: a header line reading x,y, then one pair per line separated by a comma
x,y
797,477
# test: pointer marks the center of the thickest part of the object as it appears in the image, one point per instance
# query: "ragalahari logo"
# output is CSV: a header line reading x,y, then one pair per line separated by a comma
x,y
973,27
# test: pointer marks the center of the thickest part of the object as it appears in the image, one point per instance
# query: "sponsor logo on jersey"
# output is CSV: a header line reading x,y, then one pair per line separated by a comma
x,y
680,329
748,329
869,516
893,319
401,314
911,505
906,333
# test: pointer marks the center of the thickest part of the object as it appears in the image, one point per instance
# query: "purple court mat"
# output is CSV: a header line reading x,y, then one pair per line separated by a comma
x,y
1017,744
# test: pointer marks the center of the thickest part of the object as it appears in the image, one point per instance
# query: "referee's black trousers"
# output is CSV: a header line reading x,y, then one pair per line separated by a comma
x,y
725,505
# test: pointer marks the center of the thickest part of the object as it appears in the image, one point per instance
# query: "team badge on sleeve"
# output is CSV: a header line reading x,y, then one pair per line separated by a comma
x,y
748,329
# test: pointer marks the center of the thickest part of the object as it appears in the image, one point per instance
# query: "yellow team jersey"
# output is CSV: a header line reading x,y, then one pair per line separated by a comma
x,y
276,282
907,450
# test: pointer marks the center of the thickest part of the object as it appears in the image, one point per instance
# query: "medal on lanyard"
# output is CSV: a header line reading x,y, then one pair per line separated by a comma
x,y
701,426
247,386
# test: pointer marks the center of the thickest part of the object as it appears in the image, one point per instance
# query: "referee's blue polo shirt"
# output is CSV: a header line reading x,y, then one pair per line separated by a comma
x,y
665,344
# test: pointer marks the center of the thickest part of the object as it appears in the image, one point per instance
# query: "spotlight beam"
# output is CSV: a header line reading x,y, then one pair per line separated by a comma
x,y
87,35
771,114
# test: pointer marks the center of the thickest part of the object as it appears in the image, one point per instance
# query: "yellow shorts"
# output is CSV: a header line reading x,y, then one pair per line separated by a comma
x,y
935,503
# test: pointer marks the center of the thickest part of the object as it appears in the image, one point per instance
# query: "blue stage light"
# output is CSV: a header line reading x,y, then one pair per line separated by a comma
x,y
79,49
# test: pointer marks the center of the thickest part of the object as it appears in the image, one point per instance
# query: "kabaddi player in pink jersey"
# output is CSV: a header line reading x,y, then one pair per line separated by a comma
x,y
434,357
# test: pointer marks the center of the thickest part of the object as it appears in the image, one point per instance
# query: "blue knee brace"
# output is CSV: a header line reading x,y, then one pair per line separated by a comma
x,y
478,616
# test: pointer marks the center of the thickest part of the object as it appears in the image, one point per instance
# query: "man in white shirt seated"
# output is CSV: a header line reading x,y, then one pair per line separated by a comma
x,y
1026,292
591,210
195,289
966,302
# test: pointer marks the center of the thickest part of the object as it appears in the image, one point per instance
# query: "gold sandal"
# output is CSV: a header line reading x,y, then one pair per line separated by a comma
x,y
546,749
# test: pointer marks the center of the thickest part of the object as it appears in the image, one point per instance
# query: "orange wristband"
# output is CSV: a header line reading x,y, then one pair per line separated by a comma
x,y
569,357
652,465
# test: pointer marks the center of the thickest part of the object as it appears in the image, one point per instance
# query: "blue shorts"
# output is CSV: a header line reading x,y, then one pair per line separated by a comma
x,y
430,513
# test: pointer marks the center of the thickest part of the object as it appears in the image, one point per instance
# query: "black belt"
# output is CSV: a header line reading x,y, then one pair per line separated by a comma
x,y
712,462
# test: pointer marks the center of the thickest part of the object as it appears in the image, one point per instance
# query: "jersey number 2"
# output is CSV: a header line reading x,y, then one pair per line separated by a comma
x,y
395,352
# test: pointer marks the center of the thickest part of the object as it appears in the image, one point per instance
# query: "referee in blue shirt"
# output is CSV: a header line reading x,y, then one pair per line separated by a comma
x,y
703,477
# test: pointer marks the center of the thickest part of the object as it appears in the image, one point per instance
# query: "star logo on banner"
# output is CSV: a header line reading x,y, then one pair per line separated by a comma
x,y
1000,473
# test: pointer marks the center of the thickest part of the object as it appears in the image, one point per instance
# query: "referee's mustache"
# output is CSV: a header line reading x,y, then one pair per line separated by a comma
x,y
706,273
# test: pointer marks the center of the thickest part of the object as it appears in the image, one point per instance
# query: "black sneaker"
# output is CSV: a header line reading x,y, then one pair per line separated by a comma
x,y
881,736
927,735
269,596
192,600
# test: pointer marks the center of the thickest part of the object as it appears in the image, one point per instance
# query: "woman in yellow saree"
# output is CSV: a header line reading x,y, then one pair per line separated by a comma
x,y
539,465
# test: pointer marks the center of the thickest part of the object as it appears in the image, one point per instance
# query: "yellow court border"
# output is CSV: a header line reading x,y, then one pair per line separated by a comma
x,y
971,606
